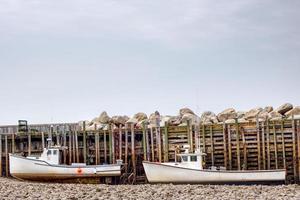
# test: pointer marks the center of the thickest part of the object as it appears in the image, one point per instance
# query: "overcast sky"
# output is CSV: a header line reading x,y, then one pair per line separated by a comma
x,y
68,60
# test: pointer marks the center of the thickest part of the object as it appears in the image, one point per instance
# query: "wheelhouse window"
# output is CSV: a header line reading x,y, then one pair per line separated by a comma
x,y
48,152
193,158
184,158
54,152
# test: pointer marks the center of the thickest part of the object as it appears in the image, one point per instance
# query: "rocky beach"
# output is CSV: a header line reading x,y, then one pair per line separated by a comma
x,y
14,189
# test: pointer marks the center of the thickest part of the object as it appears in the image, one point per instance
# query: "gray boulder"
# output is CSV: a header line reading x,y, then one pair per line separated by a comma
x,y
240,114
138,117
104,118
253,113
229,113
192,118
208,117
294,111
185,111
284,108
119,120
274,115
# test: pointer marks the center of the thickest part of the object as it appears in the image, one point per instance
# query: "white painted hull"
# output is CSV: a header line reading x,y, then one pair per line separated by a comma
x,y
32,169
163,173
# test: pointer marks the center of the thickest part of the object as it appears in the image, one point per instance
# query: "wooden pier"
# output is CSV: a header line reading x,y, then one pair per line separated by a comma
x,y
236,146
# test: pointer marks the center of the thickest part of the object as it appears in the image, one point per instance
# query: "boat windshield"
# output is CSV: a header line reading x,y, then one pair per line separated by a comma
x,y
184,158
193,158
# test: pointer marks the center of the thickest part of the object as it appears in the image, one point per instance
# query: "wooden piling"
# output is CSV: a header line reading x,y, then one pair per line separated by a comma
x,y
212,145
133,152
84,142
29,143
6,157
158,140
258,145
0,155
147,144
294,149
111,145
268,146
13,143
244,150
97,147
64,145
224,145
70,147
263,145
204,141
275,145
166,144
238,145
190,132
126,148
76,145
152,145
105,146
43,140
283,144
298,145
120,142
229,146
144,141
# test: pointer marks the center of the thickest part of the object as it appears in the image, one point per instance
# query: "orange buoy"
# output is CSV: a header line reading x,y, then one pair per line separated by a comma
x,y
79,171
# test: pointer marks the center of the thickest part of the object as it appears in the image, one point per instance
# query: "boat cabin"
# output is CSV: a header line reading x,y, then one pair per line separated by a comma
x,y
51,155
191,160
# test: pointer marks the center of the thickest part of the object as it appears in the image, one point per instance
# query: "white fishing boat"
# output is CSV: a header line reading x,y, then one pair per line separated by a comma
x,y
48,168
190,170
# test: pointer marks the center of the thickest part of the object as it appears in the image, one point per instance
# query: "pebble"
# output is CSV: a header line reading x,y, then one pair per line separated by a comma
x,y
15,189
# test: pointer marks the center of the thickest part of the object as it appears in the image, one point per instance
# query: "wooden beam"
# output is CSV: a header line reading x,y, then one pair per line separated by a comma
x,y
294,149
166,143
111,145
263,145
29,143
70,147
64,144
258,145
147,144
152,145
298,145
77,147
120,142
224,145
74,146
229,146
191,136
275,144
6,157
13,143
0,155
144,141
204,141
158,140
283,144
133,152
126,148
238,144
105,146
212,145
268,146
84,142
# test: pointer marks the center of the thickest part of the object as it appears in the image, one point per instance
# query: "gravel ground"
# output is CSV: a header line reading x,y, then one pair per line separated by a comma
x,y
14,189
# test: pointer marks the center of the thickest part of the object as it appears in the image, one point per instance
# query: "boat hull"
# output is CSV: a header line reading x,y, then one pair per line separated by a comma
x,y
162,173
39,170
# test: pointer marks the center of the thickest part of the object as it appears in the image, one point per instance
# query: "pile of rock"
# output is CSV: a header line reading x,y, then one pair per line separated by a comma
x,y
186,115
